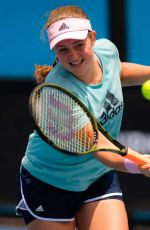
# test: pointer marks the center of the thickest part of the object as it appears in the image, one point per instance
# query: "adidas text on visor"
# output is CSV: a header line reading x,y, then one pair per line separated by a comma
x,y
69,28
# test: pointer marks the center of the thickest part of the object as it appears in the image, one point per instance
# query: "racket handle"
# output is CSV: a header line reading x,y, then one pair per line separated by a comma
x,y
138,158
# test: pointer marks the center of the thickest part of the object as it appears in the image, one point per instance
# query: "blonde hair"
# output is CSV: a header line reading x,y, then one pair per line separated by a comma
x,y
65,12
59,13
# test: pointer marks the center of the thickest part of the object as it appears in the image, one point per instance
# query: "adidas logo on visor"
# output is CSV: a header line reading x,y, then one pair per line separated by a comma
x,y
63,27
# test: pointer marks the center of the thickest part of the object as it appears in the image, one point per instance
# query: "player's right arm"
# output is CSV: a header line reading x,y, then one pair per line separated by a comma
x,y
123,164
134,74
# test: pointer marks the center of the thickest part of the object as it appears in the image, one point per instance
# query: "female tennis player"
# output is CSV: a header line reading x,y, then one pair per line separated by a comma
x,y
63,192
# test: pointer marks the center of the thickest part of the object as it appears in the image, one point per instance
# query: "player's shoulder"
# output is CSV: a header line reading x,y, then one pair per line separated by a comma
x,y
57,74
104,44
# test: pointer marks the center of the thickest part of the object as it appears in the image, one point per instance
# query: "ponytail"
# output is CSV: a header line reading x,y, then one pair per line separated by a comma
x,y
41,71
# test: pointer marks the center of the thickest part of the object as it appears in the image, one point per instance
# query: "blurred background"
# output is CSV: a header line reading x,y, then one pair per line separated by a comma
x,y
23,43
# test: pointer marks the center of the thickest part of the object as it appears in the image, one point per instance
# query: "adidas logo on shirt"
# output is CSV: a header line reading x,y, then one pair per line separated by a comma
x,y
63,27
39,209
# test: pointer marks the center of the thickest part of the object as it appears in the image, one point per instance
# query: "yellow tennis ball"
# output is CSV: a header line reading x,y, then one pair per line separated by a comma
x,y
145,89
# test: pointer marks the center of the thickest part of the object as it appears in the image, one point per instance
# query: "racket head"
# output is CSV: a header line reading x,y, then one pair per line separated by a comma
x,y
62,120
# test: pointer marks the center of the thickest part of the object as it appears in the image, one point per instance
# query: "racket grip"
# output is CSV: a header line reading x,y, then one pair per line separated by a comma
x,y
138,158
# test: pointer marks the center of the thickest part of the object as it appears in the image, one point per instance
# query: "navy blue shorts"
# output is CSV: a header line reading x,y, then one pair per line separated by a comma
x,y
39,200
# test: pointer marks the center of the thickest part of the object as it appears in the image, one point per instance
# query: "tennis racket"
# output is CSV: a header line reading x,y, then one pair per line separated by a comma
x,y
65,123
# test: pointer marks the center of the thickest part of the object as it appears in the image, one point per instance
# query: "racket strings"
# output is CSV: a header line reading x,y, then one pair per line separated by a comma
x,y
63,121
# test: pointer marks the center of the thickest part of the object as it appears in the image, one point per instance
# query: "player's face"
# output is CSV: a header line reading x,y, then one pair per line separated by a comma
x,y
76,55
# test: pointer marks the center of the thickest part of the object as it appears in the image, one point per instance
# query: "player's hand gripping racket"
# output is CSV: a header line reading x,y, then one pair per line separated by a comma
x,y
64,122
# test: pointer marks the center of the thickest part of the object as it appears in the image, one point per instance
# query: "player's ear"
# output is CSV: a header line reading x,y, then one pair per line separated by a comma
x,y
93,37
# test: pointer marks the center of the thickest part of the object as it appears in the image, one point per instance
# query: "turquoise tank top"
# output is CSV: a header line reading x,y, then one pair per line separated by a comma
x,y
105,101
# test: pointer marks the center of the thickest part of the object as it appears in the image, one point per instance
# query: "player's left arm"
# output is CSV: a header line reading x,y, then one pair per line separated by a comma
x,y
134,74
